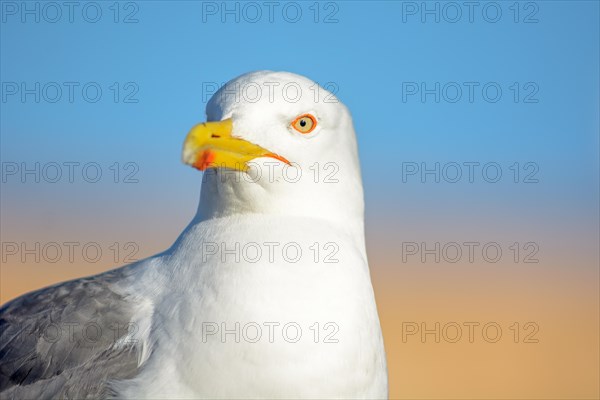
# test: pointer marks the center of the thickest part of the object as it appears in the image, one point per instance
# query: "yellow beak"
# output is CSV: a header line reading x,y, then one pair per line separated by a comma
x,y
211,145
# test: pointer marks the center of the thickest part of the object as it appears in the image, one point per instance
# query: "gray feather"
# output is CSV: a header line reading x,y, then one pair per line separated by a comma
x,y
67,341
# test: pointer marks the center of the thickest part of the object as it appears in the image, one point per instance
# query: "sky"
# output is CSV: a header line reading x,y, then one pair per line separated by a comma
x,y
475,121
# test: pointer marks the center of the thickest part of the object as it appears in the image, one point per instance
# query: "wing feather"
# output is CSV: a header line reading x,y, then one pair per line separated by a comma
x,y
68,341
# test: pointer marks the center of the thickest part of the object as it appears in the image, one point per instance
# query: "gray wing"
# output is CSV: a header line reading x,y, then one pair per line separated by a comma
x,y
67,340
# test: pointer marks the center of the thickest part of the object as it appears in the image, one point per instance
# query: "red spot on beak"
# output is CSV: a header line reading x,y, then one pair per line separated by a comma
x,y
206,158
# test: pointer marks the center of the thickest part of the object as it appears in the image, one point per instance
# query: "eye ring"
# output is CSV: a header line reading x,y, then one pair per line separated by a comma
x,y
305,123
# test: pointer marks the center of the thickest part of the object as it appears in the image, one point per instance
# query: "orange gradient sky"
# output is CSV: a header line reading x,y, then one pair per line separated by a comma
x,y
557,299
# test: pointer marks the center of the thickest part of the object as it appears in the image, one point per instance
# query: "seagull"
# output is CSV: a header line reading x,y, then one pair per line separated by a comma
x,y
266,294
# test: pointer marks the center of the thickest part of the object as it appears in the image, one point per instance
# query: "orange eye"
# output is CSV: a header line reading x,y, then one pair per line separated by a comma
x,y
305,123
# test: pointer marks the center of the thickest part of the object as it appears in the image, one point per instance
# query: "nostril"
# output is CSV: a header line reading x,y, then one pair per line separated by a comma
x,y
215,136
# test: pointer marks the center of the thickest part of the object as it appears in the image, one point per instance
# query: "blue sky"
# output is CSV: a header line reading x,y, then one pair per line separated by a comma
x,y
373,52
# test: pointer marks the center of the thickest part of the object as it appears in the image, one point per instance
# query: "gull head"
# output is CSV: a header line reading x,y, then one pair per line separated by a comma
x,y
276,143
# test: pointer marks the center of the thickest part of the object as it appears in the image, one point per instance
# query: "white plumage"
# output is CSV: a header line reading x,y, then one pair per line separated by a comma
x,y
236,272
